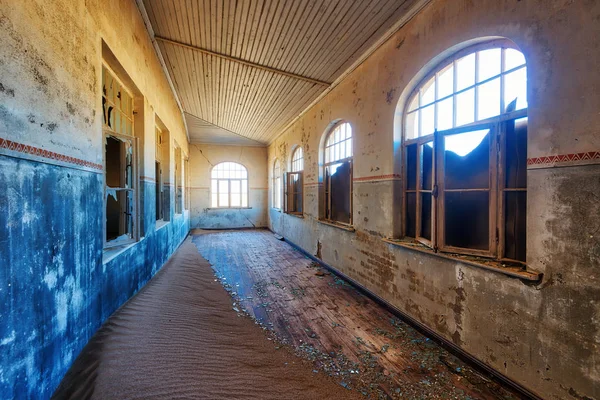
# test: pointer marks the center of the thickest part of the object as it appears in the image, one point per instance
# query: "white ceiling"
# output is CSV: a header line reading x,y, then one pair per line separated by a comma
x,y
243,69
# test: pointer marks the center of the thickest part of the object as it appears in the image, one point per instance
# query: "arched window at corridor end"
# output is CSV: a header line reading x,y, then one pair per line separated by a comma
x,y
465,154
229,185
338,157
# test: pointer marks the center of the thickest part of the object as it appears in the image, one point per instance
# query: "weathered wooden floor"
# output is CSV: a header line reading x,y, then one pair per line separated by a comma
x,y
327,321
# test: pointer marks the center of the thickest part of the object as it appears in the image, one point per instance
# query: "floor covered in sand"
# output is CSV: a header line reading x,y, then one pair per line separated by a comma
x,y
264,322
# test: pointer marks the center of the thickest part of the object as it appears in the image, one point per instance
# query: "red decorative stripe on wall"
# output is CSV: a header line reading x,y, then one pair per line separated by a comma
x,y
564,158
35,151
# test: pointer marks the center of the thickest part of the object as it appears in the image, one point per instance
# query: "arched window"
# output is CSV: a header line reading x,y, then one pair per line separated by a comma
x,y
465,152
276,184
229,185
338,174
295,180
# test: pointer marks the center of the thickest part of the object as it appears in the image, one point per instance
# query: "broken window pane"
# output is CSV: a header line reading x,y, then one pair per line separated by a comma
x,y
467,160
515,225
427,166
340,192
467,219
119,215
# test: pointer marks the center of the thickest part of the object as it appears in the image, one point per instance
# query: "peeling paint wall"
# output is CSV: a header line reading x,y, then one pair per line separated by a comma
x,y
57,284
545,336
203,158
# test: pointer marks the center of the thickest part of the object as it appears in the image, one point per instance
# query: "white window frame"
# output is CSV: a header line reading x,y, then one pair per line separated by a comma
x,y
296,174
338,150
244,197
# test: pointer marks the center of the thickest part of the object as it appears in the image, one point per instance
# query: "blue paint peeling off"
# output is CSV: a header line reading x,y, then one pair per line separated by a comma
x,y
55,291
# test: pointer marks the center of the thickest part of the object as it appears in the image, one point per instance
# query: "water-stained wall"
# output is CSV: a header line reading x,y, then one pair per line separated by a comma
x,y
57,284
545,336
203,157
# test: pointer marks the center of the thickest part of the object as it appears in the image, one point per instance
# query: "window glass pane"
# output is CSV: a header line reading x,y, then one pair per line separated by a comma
x,y
515,229
467,220
412,126
414,102
428,92
513,58
445,114
516,154
465,107
411,215
214,201
465,72
223,186
411,167
349,148
489,99
489,63
236,187
244,186
427,166
426,216
466,160
428,120
445,81
515,87
223,200
236,200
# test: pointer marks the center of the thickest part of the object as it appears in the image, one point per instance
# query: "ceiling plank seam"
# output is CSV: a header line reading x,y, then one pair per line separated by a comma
x,y
241,61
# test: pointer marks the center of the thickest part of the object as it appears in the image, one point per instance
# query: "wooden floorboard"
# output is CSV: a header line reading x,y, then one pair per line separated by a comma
x,y
326,320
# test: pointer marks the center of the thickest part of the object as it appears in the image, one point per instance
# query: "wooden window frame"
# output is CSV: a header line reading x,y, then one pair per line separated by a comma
x,y
128,136
276,200
214,190
327,176
158,177
497,152
291,193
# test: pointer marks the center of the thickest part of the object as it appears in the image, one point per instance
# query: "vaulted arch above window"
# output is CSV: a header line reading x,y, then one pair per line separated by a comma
x,y
475,84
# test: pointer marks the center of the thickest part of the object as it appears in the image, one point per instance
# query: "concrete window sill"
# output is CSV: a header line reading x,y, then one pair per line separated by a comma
x,y
479,262
348,228
160,223
229,208
276,209
110,253
297,215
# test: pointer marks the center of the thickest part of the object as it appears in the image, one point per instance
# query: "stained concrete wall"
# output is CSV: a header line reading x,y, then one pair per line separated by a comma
x,y
203,158
545,336
57,284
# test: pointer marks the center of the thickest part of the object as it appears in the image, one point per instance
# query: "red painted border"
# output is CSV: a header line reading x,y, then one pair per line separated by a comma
x,y
564,158
35,151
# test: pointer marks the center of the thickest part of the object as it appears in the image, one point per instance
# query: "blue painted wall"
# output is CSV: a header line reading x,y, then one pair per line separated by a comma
x,y
55,290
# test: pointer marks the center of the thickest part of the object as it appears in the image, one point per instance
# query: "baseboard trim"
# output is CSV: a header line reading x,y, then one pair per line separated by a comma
x,y
424,329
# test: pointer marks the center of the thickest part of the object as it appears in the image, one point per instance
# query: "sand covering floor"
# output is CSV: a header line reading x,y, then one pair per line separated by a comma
x,y
179,338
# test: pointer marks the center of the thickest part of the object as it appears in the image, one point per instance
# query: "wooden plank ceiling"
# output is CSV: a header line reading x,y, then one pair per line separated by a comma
x,y
251,66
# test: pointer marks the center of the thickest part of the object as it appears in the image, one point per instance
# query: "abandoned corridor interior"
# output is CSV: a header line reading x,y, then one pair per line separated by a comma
x,y
300,199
